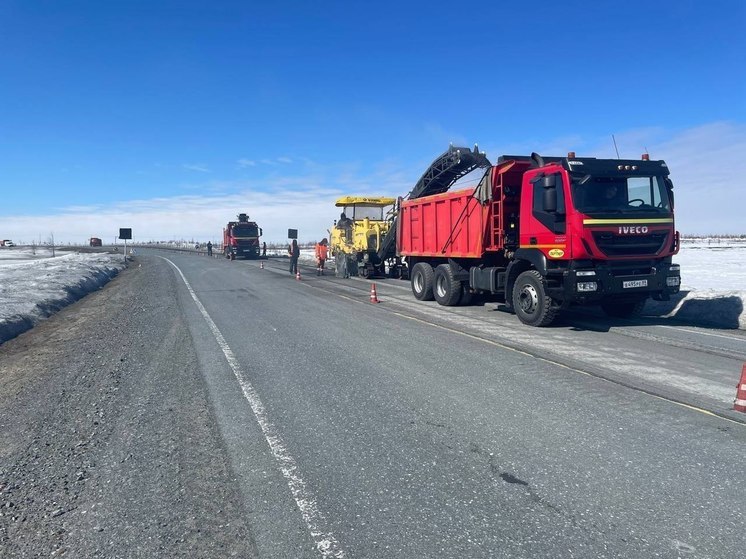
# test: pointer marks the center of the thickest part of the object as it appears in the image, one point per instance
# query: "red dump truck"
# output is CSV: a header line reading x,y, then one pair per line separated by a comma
x,y
544,232
241,238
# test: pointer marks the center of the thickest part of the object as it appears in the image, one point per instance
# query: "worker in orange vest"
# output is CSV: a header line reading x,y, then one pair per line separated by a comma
x,y
321,254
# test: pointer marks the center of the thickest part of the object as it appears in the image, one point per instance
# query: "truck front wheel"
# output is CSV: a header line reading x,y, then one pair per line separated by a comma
x,y
530,300
422,281
446,289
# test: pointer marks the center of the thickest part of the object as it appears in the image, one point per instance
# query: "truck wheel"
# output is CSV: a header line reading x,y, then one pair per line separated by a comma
x,y
623,309
530,300
422,281
446,289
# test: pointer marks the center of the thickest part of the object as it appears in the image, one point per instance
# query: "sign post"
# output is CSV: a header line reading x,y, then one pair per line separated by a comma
x,y
125,234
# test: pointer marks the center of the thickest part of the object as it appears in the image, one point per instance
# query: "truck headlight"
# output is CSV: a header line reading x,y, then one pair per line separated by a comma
x,y
585,273
587,286
673,281
674,268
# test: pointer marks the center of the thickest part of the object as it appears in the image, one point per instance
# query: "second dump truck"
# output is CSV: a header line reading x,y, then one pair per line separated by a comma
x,y
241,238
544,232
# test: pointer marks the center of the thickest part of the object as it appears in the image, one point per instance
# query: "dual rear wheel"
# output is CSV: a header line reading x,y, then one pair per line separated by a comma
x,y
421,278
439,284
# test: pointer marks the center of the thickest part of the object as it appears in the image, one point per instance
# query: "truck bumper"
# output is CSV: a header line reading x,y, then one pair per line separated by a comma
x,y
589,284
245,252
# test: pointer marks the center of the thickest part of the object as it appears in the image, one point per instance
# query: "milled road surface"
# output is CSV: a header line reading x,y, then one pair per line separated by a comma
x,y
205,408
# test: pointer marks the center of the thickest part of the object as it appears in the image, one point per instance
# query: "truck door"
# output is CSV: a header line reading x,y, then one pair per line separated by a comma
x,y
543,215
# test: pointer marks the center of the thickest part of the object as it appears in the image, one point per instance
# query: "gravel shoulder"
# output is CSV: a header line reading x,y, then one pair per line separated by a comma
x,y
108,441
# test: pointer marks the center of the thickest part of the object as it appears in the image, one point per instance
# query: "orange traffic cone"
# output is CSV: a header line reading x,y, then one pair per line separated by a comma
x,y
739,404
297,275
373,294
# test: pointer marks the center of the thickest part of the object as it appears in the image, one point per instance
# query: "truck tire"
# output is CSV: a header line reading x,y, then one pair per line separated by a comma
x,y
623,309
446,288
530,300
422,281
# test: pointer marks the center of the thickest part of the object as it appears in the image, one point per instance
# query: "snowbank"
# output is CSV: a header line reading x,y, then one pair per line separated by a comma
x,y
34,286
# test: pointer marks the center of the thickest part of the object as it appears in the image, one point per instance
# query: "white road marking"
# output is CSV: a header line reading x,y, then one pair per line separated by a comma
x,y
325,541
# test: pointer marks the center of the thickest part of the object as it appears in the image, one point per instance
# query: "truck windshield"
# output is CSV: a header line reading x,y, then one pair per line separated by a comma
x,y
620,194
245,230
361,211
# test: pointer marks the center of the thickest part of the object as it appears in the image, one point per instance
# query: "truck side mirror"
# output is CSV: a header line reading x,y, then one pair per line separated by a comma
x,y
549,182
550,200
669,188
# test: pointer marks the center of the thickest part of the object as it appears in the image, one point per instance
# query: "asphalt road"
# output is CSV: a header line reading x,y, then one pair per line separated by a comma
x,y
206,408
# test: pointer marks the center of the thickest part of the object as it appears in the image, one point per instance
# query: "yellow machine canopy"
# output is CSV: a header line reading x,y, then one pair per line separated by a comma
x,y
364,200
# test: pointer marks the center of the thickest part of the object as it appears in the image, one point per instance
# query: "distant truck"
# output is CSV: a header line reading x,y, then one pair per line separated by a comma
x,y
95,242
544,232
7,243
241,238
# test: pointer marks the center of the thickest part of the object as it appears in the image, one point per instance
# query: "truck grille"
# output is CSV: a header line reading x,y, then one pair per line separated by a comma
x,y
629,245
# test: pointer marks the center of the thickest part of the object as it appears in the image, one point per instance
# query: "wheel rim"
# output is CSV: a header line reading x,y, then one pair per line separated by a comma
x,y
440,287
528,299
418,282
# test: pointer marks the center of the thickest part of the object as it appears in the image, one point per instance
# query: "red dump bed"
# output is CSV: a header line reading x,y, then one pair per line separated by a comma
x,y
444,225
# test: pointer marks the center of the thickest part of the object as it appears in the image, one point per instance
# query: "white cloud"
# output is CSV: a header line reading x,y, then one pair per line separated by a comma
x,y
243,162
202,218
707,165
708,168
199,167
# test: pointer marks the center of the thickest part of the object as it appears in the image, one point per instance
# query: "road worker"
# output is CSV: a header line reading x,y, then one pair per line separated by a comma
x,y
294,254
321,255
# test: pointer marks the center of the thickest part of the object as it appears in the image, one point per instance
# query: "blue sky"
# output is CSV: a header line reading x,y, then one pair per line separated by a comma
x,y
171,117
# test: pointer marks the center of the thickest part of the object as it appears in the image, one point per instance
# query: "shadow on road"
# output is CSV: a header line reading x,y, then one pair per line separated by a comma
x,y
721,312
